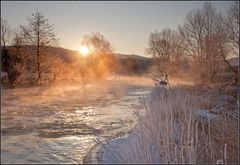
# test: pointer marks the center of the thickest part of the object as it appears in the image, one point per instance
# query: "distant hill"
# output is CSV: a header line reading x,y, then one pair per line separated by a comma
x,y
124,63
133,64
65,55
124,56
68,55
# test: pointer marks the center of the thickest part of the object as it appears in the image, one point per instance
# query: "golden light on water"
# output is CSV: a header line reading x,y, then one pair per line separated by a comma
x,y
84,50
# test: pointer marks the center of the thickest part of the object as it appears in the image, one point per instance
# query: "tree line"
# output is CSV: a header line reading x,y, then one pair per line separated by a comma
x,y
206,37
32,51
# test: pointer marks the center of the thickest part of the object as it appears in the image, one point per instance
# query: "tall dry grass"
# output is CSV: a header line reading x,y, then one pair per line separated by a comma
x,y
172,132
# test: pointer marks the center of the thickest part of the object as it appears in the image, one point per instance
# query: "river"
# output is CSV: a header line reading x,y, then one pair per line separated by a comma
x,y
59,124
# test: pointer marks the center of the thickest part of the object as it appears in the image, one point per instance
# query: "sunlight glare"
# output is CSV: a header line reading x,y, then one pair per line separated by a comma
x,y
84,50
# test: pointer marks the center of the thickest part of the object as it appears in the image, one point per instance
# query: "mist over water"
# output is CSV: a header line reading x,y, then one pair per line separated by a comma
x,y
59,124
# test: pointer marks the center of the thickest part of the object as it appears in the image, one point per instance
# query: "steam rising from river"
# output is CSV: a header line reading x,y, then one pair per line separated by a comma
x,y
58,124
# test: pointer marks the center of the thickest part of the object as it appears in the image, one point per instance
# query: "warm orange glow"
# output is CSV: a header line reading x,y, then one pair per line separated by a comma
x,y
84,50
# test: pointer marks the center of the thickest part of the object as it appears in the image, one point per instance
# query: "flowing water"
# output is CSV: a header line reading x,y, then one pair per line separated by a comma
x,y
59,124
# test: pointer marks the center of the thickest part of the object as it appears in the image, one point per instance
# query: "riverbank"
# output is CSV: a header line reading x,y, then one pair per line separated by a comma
x,y
184,124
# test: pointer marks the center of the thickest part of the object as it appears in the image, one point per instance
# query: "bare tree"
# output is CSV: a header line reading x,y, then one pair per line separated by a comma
x,y
213,21
39,34
159,45
193,33
18,55
5,32
232,22
97,43
101,49
228,36
17,41
5,56
202,30
165,48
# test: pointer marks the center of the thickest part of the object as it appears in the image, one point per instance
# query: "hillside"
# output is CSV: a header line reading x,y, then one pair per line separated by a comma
x,y
68,55
133,64
24,57
124,56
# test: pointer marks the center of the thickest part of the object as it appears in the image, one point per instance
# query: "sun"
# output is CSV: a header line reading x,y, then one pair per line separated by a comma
x,y
84,50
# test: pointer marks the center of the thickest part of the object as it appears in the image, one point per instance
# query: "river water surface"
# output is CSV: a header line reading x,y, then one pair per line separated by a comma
x,y
59,124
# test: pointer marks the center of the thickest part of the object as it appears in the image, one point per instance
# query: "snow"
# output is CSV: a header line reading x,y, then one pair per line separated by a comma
x,y
138,147
3,74
123,149
234,61
111,152
204,114
220,161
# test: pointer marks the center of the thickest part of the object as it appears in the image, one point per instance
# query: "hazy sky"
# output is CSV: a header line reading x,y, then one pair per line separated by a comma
x,y
126,24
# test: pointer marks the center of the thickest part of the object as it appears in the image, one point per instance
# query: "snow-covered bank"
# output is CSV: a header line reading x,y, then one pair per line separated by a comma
x,y
179,126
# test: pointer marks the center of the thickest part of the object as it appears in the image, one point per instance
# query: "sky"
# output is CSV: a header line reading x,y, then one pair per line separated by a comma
x,y
125,24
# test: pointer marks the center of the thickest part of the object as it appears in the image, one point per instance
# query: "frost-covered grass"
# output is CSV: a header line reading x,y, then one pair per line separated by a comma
x,y
181,125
